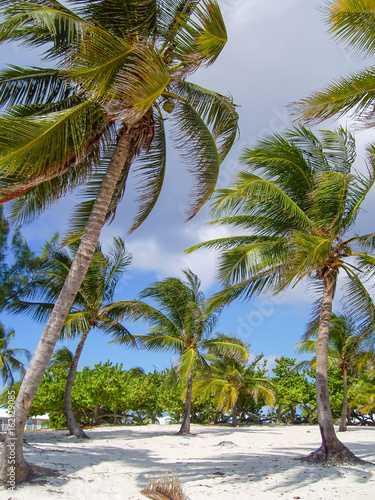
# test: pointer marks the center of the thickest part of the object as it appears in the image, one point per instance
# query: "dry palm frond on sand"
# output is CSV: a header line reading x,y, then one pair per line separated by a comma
x,y
166,487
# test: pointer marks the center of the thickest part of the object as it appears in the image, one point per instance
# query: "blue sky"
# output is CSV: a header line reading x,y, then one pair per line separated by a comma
x,y
277,53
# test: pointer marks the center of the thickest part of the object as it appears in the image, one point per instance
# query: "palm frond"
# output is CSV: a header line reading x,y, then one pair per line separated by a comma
x,y
201,35
32,146
37,23
358,302
353,23
353,94
137,87
150,170
31,85
200,154
217,111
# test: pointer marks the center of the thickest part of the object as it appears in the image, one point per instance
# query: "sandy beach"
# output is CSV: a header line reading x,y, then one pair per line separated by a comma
x,y
256,462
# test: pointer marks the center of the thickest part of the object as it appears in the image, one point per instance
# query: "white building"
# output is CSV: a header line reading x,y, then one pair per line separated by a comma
x,y
33,424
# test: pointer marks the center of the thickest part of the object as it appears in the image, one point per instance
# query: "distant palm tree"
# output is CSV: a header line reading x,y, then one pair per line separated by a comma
x,y
297,201
63,358
117,71
93,306
229,379
350,22
345,351
181,323
9,364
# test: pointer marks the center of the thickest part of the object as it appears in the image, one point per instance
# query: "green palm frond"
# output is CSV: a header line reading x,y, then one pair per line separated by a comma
x,y
226,346
225,243
353,23
280,159
328,200
358,302
353,94
308,254
32,197
339,149
128,18
31,85
188,361
31,146
138,86
357,192
159,342
201,36
150,170
96,60
199,152
39,22
249,259
217,111
264,195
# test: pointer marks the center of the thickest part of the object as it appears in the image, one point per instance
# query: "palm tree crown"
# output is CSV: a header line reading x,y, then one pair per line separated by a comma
x,y
115,66
9,363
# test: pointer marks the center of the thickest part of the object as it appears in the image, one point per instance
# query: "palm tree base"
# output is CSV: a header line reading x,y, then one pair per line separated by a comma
x,y
27,472
79,434
341,455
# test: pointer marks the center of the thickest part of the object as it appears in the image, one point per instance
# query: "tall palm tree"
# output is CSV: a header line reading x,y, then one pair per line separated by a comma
x,y
297,201
350,22
345,351
93,306
229,379
118,69
181,323
9,362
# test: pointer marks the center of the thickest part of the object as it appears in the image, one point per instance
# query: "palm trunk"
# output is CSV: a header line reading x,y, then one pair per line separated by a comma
x,y
332,451
344,413
185,426
13,463
74,428
234,415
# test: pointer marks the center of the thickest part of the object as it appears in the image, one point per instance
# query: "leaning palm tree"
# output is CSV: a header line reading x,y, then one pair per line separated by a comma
x,y
297,201
117,70
93,306
345,351
182,324
350,22
9,362
229,379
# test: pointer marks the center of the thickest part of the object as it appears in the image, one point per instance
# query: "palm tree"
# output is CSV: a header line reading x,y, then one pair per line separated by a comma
x,y
118,69
93,306
63,358
350,22
9,364
229,379
344,352
299,215
183,324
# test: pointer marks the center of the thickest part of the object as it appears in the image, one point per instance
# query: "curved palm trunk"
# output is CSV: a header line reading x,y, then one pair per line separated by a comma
x,y
344,412
332,451
13,464
234,415
185,426
74,428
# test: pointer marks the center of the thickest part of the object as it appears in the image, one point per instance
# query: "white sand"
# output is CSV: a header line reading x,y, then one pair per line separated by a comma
x,y
116,463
